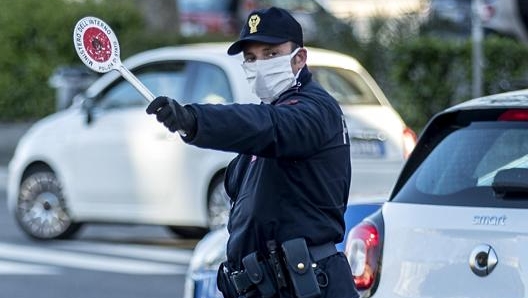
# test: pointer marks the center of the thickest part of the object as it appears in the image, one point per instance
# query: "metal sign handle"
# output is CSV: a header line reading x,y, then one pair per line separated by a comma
x,y
132,79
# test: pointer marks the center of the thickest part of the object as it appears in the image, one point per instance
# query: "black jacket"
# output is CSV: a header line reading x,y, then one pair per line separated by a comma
x,y
292,175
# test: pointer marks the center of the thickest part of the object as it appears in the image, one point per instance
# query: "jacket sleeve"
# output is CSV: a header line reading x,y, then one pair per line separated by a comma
x,y
296,129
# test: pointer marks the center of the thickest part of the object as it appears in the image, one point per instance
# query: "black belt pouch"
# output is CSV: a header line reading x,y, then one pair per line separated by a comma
x,y
259,275
224,284
299,266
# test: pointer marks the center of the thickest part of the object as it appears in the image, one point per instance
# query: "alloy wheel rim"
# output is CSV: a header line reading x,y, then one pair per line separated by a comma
x,y
44,216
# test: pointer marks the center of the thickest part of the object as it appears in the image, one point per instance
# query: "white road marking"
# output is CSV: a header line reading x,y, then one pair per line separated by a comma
x,y
146,252
15,268
87,261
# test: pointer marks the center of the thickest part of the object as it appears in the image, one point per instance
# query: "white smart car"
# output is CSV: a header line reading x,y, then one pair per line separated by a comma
x,y
456,222
105,160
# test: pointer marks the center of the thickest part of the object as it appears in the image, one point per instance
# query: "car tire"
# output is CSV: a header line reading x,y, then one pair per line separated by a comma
x,y
188,232
41,208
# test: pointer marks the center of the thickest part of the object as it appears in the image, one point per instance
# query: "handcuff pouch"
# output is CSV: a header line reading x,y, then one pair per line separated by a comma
x,y
299,266
259,275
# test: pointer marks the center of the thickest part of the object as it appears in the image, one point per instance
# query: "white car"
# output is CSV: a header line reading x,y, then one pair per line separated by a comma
x,y
105,160
456,223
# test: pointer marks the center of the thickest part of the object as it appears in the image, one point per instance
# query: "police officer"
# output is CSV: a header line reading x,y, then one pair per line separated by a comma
x,y
289,184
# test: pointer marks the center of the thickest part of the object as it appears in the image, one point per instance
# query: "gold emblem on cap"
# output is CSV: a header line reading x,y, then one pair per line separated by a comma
x,y
253,22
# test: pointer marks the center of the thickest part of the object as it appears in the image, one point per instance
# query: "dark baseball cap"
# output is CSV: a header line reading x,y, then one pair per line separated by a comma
x,y
270,25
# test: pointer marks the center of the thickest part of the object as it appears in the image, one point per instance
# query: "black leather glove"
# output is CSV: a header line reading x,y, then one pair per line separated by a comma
x,y
173,115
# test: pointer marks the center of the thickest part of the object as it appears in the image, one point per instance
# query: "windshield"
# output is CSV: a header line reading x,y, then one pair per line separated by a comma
x,y
467,161
346,86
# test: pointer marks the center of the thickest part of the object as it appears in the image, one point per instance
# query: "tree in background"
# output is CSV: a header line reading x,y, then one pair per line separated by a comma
x,y
36,37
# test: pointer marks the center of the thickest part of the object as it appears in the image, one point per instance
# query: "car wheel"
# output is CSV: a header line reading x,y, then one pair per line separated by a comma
x,y
218,204
188,232
41,210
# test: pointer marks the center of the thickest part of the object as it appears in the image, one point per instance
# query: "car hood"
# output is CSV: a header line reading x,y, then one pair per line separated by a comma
x,y
40,130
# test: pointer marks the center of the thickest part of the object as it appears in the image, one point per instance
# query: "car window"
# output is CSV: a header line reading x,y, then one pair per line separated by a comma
x,y
167,78
346,86
466,161
509,151
186,81
210,85
122,95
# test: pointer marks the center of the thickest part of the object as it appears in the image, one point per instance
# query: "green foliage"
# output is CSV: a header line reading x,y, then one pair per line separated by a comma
x,y
427,72
36,37
429,75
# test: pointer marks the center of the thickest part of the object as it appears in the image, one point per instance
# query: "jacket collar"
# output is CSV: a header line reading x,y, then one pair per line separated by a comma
x,y
305,76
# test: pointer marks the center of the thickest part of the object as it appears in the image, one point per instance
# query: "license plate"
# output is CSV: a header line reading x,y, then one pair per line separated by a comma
x,y
367,148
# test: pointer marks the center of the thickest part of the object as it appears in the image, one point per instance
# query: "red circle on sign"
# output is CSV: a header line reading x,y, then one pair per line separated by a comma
x,y
97,44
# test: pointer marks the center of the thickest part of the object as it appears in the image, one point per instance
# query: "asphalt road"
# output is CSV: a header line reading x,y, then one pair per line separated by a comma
x,y
102,261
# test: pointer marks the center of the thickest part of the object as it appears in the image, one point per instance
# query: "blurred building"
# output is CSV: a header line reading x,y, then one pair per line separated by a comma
x,y
364,15
200,17
361,9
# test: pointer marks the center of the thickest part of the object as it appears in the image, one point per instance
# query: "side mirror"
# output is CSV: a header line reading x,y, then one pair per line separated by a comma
x,y
513,182
88,105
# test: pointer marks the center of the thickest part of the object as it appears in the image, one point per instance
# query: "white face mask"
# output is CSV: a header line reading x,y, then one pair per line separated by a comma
x,y
269,78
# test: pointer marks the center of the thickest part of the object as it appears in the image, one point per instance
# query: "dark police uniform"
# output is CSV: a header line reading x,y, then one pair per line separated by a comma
x,y
292,176
289,185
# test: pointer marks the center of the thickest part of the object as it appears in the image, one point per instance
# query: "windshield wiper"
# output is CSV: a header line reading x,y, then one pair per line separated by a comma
x,y
511,183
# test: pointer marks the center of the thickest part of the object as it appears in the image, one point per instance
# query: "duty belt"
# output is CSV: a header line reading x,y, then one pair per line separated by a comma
x,y
323,251
242,280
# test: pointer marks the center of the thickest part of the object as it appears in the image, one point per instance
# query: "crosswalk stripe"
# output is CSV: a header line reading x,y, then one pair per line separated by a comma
x,y
87,261
15,268
152,253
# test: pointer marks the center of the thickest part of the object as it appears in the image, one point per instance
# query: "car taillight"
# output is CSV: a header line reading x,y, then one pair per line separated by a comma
x,y
409,141
514,115
363,250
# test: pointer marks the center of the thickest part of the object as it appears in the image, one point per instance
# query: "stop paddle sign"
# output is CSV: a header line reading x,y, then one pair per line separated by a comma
x,y
98,48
